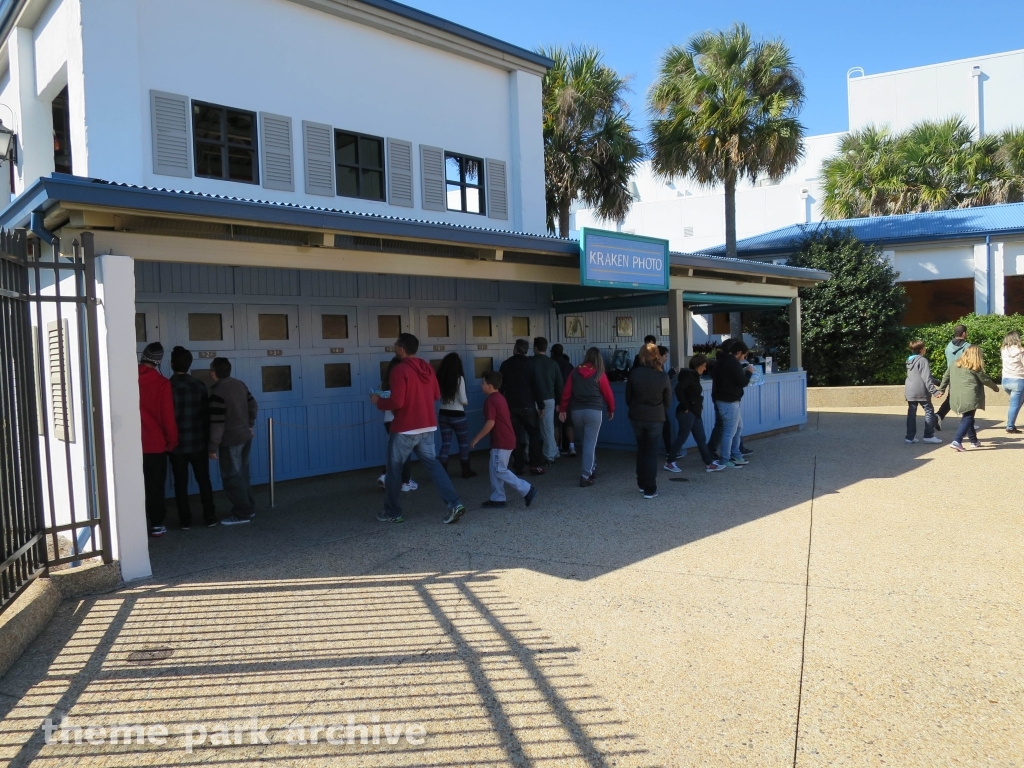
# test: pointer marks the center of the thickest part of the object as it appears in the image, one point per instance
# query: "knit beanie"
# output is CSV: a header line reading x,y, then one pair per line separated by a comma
x,y
153,353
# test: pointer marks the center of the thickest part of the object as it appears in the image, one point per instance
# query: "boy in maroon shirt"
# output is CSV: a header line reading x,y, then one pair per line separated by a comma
x,y
498,423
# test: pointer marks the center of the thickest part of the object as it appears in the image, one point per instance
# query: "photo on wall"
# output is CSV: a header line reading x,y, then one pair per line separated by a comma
x,y
623,326
573,327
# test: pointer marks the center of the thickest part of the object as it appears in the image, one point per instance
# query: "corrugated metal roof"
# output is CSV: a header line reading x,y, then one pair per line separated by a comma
x,y
994,220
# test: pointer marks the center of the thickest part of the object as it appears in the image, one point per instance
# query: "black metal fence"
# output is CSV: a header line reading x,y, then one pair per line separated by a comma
x,y
53,476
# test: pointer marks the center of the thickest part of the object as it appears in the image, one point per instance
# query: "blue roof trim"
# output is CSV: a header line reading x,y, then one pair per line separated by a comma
x,y
59,188
9,8
990,220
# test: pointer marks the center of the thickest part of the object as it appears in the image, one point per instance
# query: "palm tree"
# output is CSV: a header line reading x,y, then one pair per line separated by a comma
x,y
1011,157
863,177
724,107
590,147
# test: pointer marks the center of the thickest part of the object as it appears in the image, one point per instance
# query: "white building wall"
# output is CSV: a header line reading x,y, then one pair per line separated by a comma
x,y
935,263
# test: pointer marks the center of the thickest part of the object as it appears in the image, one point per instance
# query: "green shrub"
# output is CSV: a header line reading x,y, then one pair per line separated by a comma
x,y
987,331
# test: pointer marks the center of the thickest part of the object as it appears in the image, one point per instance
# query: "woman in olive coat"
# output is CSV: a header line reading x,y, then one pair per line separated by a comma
x,y
967,381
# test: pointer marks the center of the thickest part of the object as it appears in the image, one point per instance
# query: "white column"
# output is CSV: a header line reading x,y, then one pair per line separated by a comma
x,y
526,168
679,330
34,119
982,305
796,351
119,367
998,279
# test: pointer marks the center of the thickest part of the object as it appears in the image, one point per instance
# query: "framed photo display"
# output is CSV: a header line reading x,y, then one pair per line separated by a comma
x,y
573,327
624,326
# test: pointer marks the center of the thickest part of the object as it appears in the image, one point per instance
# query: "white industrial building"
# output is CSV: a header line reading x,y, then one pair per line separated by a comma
x,y
987,90
293,212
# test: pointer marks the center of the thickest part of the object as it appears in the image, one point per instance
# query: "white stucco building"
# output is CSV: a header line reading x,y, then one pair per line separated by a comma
x,y
987,90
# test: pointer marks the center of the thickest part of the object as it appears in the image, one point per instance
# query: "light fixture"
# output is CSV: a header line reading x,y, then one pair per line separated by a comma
x,y
8,143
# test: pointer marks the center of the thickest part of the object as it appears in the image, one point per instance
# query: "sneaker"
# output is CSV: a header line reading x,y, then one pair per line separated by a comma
x,y
1013,431
572,451
381,482
157,531
383,517
233,520
492,505
185,527
744,451
564,453
740,462
932,440
714,466
975,444
650,495
911,442
454,514
670,466
537,470
410,486
957,447
586,482
211,523
529,497
640,488
938,425
733,465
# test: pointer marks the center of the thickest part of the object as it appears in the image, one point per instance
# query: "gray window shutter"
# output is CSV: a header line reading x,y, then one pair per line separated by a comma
x,y
318,144
276,148
432,173
400,173
497,190
172,144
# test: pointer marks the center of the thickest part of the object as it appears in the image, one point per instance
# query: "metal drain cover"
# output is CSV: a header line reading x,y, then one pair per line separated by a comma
x,y
150,655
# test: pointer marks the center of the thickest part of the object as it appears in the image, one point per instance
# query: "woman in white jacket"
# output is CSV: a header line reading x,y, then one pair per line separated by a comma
x,y
452,417
1013,378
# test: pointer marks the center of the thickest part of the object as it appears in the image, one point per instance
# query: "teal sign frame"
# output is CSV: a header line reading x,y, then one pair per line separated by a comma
x,y
620,260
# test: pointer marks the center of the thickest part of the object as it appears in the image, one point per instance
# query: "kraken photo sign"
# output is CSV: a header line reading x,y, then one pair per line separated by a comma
x,y
619,260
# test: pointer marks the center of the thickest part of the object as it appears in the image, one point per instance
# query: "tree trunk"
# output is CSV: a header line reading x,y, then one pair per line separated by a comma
x,y
730,214
563,218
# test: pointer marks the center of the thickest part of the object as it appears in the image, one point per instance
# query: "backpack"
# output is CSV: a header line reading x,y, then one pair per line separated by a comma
x,y
618,366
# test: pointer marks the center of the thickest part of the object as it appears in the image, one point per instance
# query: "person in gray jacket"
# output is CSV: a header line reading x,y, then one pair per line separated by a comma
x,y
918,392
232,421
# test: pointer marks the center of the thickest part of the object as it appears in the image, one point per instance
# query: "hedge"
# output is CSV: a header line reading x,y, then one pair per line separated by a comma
x,y
987,331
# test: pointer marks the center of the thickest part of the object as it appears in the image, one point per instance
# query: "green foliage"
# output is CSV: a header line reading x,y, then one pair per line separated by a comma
x,y
987,331
590,148
851,322
725,107
932,166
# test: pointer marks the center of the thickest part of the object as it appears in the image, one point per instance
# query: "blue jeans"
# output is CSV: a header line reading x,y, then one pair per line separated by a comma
x,y
690,424
966,428
715,441
547,430
1015,389
501,475
400,448
234,476
732,429
929,418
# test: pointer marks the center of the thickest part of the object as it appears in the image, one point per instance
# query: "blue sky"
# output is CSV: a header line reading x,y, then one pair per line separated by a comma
x,y
826,38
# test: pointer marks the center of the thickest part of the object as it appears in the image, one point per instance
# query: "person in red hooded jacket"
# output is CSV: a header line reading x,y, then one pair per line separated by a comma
x,y
414,390
159,434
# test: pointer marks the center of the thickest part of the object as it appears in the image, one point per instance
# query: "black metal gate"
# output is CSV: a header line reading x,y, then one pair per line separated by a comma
x,y
53,476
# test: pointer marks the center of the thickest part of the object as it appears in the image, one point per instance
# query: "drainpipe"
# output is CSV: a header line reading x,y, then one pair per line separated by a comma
x,y
989,277
976,74
36,226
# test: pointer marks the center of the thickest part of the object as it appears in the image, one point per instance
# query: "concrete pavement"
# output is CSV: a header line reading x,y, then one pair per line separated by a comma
x,y
844,600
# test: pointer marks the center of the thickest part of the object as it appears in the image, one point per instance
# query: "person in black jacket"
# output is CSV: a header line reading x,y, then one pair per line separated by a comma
x,y
519,386
715,440
648,395
689,414
564,433
730,379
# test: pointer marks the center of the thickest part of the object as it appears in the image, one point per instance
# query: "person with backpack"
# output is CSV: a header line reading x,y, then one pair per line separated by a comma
x,y
192,415
564,433
408,484
498,424
586,394
731,377
232,421
918,391
967,381
452,417
1012,355
649,396
414,391
690,415
954,349
159,434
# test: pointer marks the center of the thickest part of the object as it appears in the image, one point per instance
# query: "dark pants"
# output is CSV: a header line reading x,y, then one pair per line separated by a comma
x,y
929,418
666,436
154,477
406,468
234,475
690,424
527,427
647,435
200,463
715,441
966,428
944,408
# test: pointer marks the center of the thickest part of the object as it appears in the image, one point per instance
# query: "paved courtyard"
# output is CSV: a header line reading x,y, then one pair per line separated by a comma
x,y
845,600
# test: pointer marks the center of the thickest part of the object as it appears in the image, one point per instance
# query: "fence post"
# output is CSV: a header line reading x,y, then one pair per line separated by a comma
x,y
270,456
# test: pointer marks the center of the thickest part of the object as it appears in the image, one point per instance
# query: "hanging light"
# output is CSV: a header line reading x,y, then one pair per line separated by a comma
x,y
8,143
